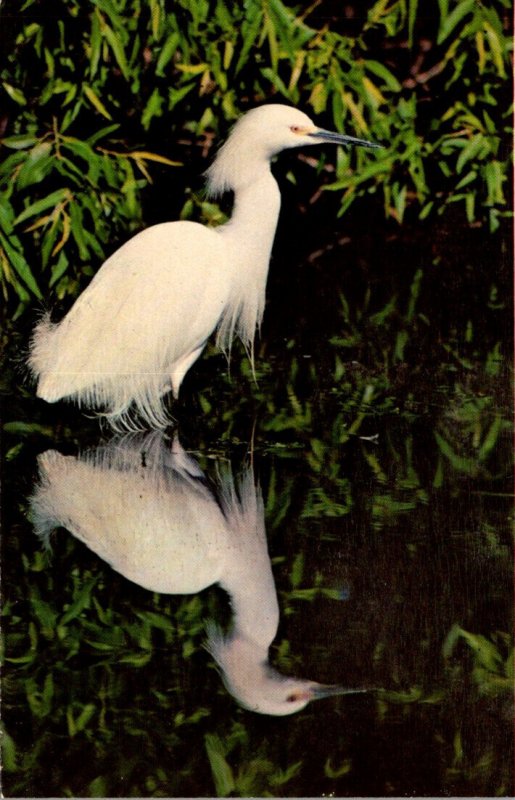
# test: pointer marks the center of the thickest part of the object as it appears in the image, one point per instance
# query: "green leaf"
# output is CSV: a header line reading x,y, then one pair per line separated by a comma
x,y
412,15
221,771
491,438
102,133
117,49
337,772
81,602
21,267
8,752
470,151
494,180
469,178
166,52
77,229
80,723
153,108
276,81
136,659
297,570
38,163
20,142
40,701
250,32
460,463
382,72
41,205
59,268
156,620
28,429
96,102
450,21
281,777
15,93
98,787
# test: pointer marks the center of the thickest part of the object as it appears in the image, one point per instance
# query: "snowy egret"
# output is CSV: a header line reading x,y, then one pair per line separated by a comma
x,y
146,316
146,509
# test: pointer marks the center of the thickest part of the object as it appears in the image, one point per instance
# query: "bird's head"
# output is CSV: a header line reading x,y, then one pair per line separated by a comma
x,y
257,686
263,133
280,696
279,127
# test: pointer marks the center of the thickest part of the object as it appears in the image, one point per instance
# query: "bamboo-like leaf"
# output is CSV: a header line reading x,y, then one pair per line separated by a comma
x,y
166,52
96,102
470,151
337,772
117,49
376,97
20,266
222,773
481,52
65,234
59,269
153,108
41,205
450,21
9,754
95,45
102,133
192,69
15,93
384,73
355,112
81,602
77,224
21,141
491,438
494,181
276,81
148,156
250,33
412,15
460,463
496,49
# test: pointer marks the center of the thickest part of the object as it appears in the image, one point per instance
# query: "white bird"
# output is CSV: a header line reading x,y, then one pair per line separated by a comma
x,y
147,511
147,314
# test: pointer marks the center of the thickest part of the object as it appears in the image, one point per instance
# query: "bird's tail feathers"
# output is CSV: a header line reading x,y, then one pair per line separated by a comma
x,y
42,512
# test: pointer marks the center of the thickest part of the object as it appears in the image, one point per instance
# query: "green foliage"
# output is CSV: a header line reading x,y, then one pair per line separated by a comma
x,y
381,436
70,227
257,775
72,185
492,659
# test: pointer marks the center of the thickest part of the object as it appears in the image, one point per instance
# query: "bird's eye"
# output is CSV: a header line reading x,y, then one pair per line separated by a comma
x,y
295,129
292,698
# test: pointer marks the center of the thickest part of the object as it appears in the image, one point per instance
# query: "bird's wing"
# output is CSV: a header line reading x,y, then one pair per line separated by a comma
x,y
157,298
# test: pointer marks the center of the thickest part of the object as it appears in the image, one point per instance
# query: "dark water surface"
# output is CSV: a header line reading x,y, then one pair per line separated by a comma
x,y
392,568
379,436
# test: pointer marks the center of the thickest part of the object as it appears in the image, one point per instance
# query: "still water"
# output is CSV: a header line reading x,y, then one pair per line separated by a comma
x,y
198,586
343,519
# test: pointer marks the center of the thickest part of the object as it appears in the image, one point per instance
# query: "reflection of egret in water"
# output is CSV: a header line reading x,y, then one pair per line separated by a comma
x,y
146,509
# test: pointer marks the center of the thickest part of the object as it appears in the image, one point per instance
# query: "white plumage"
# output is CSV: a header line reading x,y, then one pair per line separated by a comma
x,y
145,318
146,510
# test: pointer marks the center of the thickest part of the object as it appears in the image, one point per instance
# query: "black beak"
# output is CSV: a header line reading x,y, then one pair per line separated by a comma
x,y
320,690
340,138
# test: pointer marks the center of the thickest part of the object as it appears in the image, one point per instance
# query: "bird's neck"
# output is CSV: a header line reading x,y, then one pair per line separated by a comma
x,y
255,214
255,610
249,236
